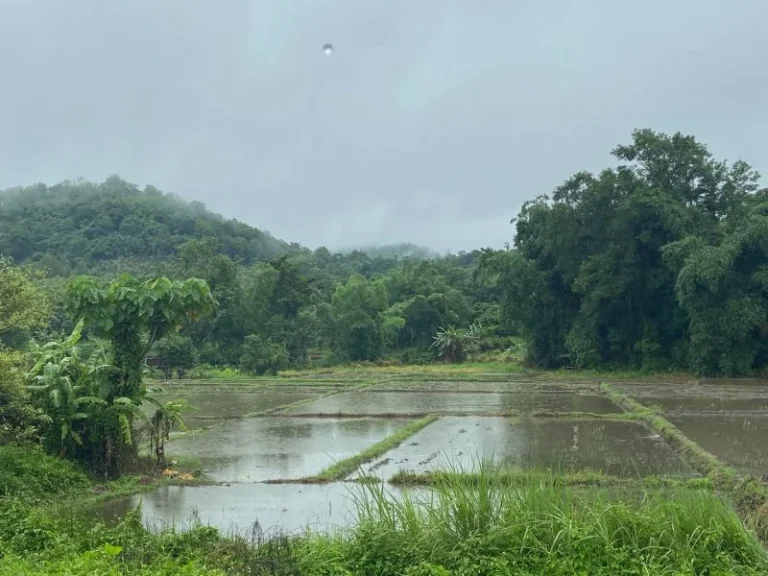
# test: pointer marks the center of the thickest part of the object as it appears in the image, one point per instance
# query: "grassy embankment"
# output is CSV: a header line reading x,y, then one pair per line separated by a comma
x,y
535,528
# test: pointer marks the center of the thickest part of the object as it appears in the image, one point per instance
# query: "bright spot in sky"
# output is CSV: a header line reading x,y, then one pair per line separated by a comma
x,y
328,49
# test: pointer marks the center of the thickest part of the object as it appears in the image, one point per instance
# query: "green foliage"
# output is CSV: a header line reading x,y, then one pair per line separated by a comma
x,y
355,319
654,264
28,473
19,420
79,225
175,352
84,419
262,356
455,344
724,291
90,404
23,306
133,314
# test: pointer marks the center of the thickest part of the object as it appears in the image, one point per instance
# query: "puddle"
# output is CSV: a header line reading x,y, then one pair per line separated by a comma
x,y
217,402
739,440
284,508
258,449
383,402
616,448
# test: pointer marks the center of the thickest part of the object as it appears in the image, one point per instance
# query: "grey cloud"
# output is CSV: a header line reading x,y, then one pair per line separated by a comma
x,y
431,122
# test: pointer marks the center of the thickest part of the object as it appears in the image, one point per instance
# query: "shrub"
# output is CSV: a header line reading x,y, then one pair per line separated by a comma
x,y
27,472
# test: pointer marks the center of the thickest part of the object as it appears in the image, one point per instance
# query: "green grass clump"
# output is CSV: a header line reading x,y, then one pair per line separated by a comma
x,y
28,473
344,468
542,529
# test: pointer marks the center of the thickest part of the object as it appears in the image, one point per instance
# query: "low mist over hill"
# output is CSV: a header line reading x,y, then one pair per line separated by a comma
x,y
402,250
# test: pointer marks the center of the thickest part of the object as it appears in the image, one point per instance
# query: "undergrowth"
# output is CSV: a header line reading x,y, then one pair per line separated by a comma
x,y
486,527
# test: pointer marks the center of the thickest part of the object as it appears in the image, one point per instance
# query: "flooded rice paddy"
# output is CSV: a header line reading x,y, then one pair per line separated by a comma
x,y
622,449
260,449
240,508
728,418
405,402
264,443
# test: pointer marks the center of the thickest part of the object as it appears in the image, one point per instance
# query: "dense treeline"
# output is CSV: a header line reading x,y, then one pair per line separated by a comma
x,y
658,263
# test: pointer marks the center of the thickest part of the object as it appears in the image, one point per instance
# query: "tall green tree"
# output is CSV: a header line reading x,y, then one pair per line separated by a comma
x,y
589,281
132,315
356,317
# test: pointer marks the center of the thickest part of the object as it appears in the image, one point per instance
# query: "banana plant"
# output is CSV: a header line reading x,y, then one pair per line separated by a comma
x,y
167,416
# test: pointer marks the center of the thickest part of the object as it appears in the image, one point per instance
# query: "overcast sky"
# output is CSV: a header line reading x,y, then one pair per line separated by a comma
x,y
431,122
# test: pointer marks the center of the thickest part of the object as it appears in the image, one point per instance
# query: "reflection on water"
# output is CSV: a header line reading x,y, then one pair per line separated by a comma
x,y
397,402
738,439
717,395
616,448
218,402
237,508
258,449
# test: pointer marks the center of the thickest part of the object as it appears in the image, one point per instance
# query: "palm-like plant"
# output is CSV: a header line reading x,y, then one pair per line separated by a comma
x,y
454,344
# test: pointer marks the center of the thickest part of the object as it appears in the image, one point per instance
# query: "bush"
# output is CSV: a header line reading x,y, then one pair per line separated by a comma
x,y
18,419
262,356
27,472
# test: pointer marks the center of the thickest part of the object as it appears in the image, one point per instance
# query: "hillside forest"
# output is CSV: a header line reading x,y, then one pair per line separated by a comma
x,y
657,263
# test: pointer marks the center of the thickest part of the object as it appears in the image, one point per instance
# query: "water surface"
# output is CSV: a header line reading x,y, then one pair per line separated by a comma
x,y
738,439
616,448
373,401
271,448
245,508
221,402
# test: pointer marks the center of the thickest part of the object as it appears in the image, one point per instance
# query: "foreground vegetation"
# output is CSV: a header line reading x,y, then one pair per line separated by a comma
x,y
486,528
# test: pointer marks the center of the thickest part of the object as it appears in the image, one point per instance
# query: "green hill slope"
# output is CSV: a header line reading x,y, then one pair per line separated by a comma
x,y
81,224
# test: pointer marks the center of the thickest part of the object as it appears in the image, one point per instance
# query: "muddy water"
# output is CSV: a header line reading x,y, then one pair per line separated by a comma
x,y
258,449
383,402
218,402
245,508
616,448
738,439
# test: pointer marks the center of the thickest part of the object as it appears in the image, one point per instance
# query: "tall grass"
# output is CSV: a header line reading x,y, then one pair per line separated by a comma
x,y
543,528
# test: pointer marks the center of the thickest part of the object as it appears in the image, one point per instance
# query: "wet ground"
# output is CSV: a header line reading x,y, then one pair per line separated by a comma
x,y
259,449
562,445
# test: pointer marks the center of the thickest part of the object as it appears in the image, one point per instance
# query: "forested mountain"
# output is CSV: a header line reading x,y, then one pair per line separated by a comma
x,y
660,262
74,225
